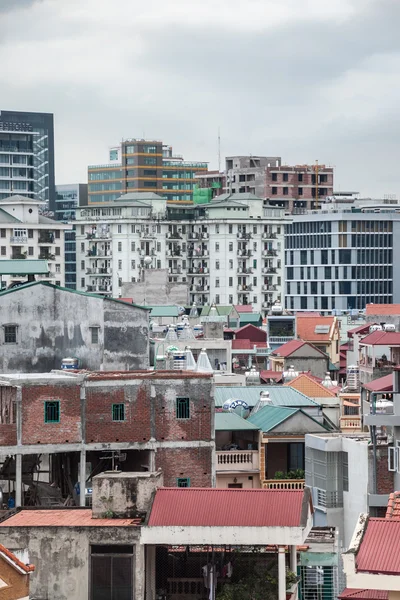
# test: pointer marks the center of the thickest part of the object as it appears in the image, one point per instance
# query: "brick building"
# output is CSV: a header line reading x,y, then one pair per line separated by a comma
x,y
83,423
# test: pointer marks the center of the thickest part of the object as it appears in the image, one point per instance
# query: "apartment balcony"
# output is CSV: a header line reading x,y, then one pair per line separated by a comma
x,y
244,236
47,256
19,255
269,288
350,424
93,253
269,236
279,339
202,253
201,271
174,235
243,289
99,289
147,235
98,271
237,460
175,251
245,253
269,271
175,270
245,271
98,236
46,238
267,253
283,484
199,288
17,239
196,235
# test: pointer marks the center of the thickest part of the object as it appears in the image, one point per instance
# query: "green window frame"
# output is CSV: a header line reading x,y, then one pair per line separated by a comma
x,y
52,411
118,412
182,408
183,482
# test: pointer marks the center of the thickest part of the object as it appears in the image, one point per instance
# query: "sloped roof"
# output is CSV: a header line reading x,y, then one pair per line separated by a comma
x,y
356,594
250,326
63,517
269,374
306,326
270,416
288,348
69,290
5,217
280,395
232,422
381,338
48,221
310,387
247,344
138,196
17,199
213,507
15,562
244,308
359,329
25,266
250,318
221,310
379,551
383,384
382,309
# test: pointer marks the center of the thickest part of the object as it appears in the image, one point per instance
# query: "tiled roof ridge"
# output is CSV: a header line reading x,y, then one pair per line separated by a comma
x,y
393,507
27,568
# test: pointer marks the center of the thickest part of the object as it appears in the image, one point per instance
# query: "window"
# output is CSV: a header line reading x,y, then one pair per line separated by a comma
x,y
230,281
183,482
119,228
285,191
82,246
57,234
285,177
3,251
274,191
52,411
217,229
216,247
119,246
300,191
230,228
231,264
82,265
120,264
30,233
94,333
274,176
82,229
300,177
217,283
58,252
133,264
217,265
10,334
82,282
182,408
118,412
111,572
2,233
230,246
133,246
30,250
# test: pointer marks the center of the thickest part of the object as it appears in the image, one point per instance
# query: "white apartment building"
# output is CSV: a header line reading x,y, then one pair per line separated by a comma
x,y
26,234
228,251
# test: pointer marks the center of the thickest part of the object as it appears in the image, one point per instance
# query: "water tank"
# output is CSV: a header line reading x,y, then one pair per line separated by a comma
x,y
327,382
290,374
263,400
389,327
375,328
203,363
240,407
276,309
253,377
353,377
70,363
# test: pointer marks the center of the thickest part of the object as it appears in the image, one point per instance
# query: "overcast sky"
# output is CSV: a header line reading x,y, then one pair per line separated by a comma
x,y
302,79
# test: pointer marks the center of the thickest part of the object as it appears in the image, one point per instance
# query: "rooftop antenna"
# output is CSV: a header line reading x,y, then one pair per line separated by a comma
x,y
219,150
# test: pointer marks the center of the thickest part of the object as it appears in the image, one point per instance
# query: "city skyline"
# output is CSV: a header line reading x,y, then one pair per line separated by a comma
x,y
300,80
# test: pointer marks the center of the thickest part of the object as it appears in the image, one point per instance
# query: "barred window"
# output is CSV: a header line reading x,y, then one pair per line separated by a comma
x,y
182,408
118,412
52,411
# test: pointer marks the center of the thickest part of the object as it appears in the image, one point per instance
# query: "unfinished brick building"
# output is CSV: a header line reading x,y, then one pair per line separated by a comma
x,y
63,428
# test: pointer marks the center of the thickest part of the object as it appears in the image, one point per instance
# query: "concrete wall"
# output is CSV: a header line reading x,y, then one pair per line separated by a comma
x,y
61,556
17,583
53,324
156,290
248,481
355,501
317,366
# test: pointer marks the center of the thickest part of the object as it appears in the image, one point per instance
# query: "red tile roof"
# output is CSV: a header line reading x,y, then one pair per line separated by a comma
x,y
305,327
393,507
251,327
212,507
288,348
360,329
355,594
382,309
379,551
243,308
63,517
247,344
382,338
15,560
268,374
383,384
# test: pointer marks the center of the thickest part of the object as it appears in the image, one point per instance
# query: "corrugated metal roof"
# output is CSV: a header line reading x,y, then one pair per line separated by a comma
x,y
64,517
232,422
379,550
280,395
23,266
383,384
163,311
355,594
288,348
270,416
381,338
250,319
212,507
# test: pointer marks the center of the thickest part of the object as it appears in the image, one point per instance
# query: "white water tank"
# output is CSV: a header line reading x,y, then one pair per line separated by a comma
x,y
375,328
389,327
353,377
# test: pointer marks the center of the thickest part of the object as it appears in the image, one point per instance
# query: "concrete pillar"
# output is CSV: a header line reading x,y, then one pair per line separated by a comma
x,y
150,572
82,479
18,480
281,573
152,462
293,559
139,572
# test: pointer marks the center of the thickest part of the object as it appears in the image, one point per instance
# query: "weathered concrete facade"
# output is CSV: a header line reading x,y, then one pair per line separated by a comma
x,y
53,323
156,289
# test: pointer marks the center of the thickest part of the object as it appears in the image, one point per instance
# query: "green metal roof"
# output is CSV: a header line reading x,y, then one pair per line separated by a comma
x,y
232,422
221,310
63,289
250,318
24,266
281,395
163,311
270,416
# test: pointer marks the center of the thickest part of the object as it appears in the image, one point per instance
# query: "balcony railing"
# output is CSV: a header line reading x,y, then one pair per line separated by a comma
x,y
280,339
353,423
45,238
185,587
237,460
18,239
283,484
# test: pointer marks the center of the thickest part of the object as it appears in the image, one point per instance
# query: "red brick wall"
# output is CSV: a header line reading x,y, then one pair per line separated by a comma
x,y
194,463
34,428
99,424
384,477
8,435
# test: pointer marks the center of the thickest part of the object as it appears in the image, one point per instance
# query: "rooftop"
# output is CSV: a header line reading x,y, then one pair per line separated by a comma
x,y
381,338
212,507
230,421
311,387
393,507
355,594
25,266
379,551
315,328
288,348
383,384
270,417
64,517
382,309
16,563
279,395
